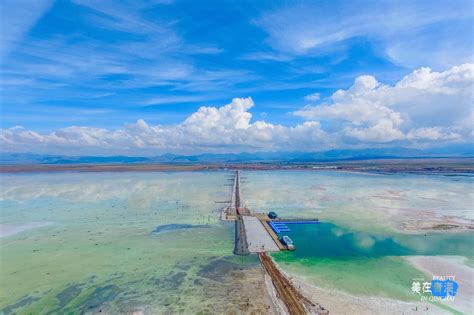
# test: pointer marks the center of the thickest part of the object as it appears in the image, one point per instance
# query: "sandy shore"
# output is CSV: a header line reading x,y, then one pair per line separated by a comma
x,y
441,166
450,266
12,229
279,306
338,302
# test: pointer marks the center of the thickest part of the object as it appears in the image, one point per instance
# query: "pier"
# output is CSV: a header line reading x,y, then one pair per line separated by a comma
x,y
259,240
241,241
257,233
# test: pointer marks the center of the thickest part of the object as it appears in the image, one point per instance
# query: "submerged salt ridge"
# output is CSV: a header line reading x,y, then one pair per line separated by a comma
x,y
395,202
100,252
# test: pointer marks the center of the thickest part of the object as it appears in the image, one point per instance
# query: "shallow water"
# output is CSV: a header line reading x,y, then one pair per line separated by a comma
x,y
364,263
327,240
361,201
152,242
359,246
118,241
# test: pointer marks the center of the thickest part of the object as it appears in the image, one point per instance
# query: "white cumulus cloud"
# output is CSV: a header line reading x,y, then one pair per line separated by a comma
x,y
424,107
209,129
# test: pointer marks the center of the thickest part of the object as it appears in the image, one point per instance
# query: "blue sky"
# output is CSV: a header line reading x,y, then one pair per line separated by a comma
x,y
130,77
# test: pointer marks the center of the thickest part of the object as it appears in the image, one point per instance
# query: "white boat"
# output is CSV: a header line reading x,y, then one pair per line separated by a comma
x,y
286,240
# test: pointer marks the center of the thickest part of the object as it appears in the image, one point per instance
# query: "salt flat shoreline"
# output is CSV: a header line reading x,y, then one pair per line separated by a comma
x,y
13,229
448,167
339,302
450,266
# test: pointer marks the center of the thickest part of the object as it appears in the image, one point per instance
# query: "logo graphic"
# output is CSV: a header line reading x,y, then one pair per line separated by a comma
x,y
441,288
444,288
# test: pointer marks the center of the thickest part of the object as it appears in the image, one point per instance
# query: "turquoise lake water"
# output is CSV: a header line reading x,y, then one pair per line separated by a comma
x,y
153,241
327,240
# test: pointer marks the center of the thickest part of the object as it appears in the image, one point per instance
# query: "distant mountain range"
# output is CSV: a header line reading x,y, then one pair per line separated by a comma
x,y
259,157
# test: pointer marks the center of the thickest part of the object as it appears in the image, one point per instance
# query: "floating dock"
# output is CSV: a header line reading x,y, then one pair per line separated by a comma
x,y
279,226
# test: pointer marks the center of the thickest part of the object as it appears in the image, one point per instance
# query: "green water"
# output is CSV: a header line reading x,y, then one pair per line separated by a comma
x,y
147,242
153,242
361,248
327,240
364,263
